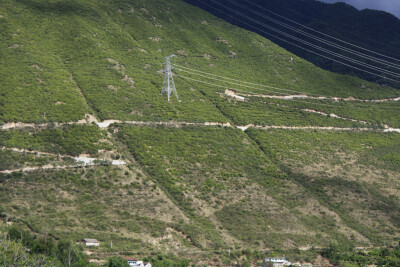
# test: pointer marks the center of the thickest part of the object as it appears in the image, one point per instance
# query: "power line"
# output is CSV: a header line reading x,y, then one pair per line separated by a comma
x,y
180,67
288,99
377,60
327,35
256,88
216,79
308,50
228,79
232,80
310,44
333,26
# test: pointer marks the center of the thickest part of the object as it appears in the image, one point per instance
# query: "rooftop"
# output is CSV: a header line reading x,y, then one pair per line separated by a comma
x,y
90,240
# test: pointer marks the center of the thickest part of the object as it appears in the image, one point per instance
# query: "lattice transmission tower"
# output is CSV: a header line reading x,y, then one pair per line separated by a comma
x,y
168,84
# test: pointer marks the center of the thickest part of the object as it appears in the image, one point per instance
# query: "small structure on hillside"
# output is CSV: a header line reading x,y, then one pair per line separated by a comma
x,y
91,242
277,262
135,262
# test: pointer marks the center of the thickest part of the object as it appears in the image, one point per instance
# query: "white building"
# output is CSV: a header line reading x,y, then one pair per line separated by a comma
x,y
91,242
277,262
136,263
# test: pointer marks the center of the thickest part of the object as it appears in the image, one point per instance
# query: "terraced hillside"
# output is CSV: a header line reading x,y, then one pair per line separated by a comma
x,y
200,177
62,59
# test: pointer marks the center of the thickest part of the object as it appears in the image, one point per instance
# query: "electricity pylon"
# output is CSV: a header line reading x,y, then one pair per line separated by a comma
x,y
168,84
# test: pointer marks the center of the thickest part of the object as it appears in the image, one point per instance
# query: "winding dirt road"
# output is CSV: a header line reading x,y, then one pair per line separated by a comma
x,y
81,161
304,96
107,123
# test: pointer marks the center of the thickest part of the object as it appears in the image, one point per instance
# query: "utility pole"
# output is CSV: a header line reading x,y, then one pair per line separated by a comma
x,y
168,84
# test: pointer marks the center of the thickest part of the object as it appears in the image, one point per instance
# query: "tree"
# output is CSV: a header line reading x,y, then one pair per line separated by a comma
x,y
12,253
117,262
333,251
70,254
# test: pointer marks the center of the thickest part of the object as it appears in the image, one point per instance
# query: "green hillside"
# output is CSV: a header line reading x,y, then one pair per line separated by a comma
x,y
68,58
187,187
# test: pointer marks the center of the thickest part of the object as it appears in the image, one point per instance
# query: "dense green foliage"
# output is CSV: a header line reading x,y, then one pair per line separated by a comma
x,y
13,253
168,261
108,53
117,262
349,257
39,250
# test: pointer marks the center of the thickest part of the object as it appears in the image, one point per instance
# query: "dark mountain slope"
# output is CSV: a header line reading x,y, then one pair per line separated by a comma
x,y
373,30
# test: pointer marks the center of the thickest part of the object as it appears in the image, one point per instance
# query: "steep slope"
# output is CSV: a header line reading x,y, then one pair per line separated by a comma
x,y
194,184
107,54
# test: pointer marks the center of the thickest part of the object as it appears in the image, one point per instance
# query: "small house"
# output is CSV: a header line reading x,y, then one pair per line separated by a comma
x,y
91,242
136,263
277,262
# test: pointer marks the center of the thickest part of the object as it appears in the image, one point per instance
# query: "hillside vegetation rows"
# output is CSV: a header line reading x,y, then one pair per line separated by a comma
x,y
62,59
208,194
214,189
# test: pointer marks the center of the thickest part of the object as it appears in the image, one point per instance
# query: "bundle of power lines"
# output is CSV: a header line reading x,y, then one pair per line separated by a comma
x,y
236,85
305,38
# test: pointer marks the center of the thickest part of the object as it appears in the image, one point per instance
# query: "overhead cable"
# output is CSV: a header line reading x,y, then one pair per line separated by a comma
x,y
288,99
348,50
310,44
327,35
194,71
303,48
267,86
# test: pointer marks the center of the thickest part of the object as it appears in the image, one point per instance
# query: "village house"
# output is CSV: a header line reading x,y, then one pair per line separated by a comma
x,y
277,262
91,242
135,262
